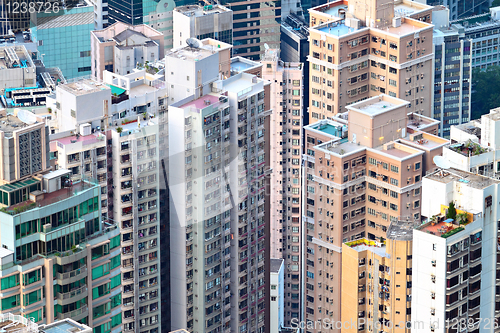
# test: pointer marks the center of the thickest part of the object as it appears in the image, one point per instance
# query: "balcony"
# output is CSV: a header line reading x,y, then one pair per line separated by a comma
x,y
80,293
77,314
74,275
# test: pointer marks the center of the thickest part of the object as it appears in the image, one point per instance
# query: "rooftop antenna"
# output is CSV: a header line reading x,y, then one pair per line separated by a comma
x,y
193,43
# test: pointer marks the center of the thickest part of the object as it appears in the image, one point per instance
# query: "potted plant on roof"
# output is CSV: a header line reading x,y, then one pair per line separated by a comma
x,y
433,220
462,218
119,130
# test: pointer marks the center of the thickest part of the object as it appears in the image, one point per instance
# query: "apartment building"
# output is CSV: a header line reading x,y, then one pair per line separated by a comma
x,y
116,100
218,226
461,9
85,156
455,274
452,73
277,294
254,26
483,31
219,183
377,281
286,98
295,48
120,47
355,55
202,65
135,204
360,175
209,21
474,145
58,259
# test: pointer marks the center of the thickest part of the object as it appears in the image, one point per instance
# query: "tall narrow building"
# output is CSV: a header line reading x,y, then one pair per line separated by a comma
x,y
357,54
218,215
360,175
286,98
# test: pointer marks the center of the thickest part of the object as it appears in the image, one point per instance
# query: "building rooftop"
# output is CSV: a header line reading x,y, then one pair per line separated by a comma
x,y
337,28
240,65
15,57
401,230
405,8
377,105
466,178
206,48
443,228
424,140
364,244
418,122
85,140
276,265
341,148
65,326
127,33
10,323
240,84
329,127
202,102
196,10
10,123
83,87
109,33
5,252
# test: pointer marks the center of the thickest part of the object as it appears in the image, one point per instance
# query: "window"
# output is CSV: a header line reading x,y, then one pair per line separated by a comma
x,y
394,169
417,166
394,182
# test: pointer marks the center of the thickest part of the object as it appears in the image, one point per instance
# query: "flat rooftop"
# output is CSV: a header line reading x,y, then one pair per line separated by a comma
x,y
56,196
428,141
395,151
364,244
329,127
442,229
377,105
10,323
10,123
401,230
337,28
239,64
202,102
466,178
85,140
83,87
405,8
196,10
418,122
65,326
238,84
342,148
276,264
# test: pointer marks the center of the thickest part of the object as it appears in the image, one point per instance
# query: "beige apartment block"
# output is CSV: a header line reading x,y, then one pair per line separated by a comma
x,y
357,54
285,159
362,174
376,281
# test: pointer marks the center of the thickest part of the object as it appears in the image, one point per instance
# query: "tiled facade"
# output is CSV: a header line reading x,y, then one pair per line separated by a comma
x,y
355,55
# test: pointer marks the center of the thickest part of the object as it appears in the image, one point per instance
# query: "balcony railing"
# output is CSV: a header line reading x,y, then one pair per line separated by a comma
x,y
73,273
73,313
71,294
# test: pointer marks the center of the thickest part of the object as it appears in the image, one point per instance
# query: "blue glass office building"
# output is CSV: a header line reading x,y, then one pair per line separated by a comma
x,y
63,39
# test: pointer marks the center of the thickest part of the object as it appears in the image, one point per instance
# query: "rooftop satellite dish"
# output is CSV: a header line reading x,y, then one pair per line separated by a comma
x,y
193,42
441,162
266,46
